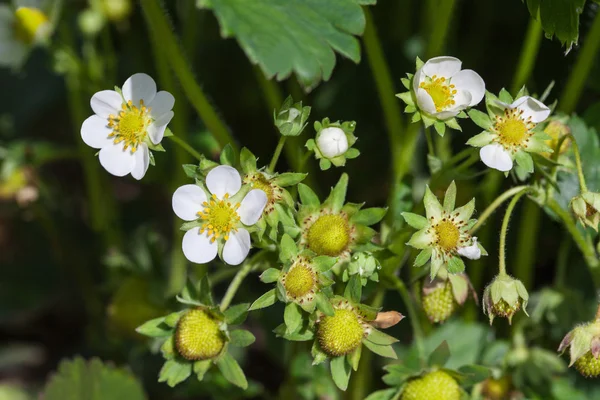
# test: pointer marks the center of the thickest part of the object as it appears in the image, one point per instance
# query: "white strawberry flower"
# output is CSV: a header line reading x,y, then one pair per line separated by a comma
x,y
222,220
127,124
443,90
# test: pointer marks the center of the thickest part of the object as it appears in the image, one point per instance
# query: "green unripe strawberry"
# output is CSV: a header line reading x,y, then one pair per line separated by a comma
x,y
329,235
439,303
437,385
341,333
503,309
588,365
198,335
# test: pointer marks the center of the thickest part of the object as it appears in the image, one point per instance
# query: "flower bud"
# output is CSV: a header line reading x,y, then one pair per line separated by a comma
x,y
365,265
504,297
586,208
584,342
199,335
31,25
291,118
332,142
557,130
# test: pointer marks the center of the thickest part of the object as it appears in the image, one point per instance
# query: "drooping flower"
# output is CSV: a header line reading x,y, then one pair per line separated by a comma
x,y
511,132
444,235
127,125
586,208
504,297
584,343
440,90
222,215
23,26
333,143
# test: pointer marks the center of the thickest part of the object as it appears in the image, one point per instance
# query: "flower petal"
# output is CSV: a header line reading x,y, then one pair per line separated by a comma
x,y
433,208
425,102
533,108
116,160
156,130
472,252
95,131
442,66
421,239
139,87
470,81
197,247
223,180
252,206
236,247
142,161
417,79
162,103
106,102
187,201
494,156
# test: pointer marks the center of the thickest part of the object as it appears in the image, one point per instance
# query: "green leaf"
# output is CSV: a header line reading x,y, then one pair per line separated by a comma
x,y
155,328
292,317
398,373
382,350
353,291
74,379
227,155
175,371
369,216
231,371
241,338
337,197
247,161
289,179
385,394
270,275
287,249
480,119
415,220
308,198
237,314
293,36
559,18
440,355
340,372
266,300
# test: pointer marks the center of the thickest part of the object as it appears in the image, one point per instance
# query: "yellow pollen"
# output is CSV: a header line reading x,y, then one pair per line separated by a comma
x,y
440,91
130,126
220,218
329,235
27,23
299,280
448,235
513,130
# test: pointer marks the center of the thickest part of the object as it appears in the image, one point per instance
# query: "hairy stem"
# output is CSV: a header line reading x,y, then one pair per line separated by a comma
x,y
583,66
497,203
184,145
276,154
504,230
582,185
235,284
156,17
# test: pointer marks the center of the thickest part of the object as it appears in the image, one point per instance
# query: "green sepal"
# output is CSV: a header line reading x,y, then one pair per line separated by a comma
x,y
452,123
415,220
455,265
302,335
227,156
483,139
247,161
450,197
505,96
168,348
308,198
525,161
201,367
292,317
288,179
232,371
340,372
287,249
380,338
353,290
406,97
440,355
382,350
237,314
353,358
480,119
324,263
337,197
324,164
270,275
423,257
440,127
191,171
369,216
173,318
319,356
241,338
266,300
175,371
324,305
155,328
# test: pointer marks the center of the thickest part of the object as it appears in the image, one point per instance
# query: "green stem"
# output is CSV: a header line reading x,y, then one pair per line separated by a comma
x,y
235,284
430,146
156,18
443,15
412,314
497,203
276,154
528,231
584,243
504,230
528,55
582,185
562,261
184,145
583,66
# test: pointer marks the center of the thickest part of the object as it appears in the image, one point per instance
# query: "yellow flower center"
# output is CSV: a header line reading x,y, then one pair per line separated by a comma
x,y
329,235
513,131
259,181
341,333
441,91
198,335
557,130
130,125
447,234
28,21
220,217
299,280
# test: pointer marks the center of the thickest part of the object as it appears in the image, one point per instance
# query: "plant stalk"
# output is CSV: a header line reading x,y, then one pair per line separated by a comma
x,y
504,230
497,203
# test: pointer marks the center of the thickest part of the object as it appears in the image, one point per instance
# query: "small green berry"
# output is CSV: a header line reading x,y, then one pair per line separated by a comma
x,y
341,333
439,304
329,235
503,309
437,385
299,280
198,335
588,365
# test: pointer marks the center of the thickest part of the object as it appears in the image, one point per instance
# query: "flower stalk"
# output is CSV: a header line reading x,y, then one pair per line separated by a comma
x,y
504,230
495,204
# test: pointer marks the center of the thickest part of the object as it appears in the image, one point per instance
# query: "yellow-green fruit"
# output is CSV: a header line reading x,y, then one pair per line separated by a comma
x,y
329,235
437,385
341,333
496,389
503,309
588,365
299,281
439,304
198,336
